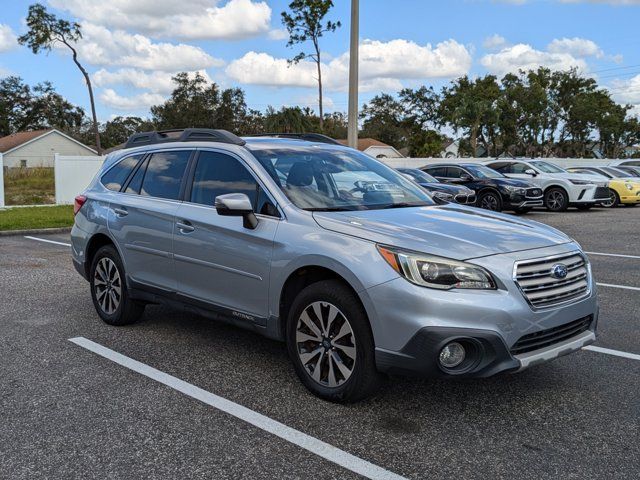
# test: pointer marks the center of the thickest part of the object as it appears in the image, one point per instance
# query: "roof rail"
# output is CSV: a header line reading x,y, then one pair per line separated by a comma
x,y
183,135
310,137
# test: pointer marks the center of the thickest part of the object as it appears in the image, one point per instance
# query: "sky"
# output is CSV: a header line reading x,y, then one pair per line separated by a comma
x,y
132,48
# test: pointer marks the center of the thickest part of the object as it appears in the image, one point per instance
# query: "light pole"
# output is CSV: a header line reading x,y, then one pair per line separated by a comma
x,y
352,127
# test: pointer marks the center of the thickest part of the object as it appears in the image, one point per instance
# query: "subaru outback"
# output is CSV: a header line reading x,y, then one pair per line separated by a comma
x,y
356,268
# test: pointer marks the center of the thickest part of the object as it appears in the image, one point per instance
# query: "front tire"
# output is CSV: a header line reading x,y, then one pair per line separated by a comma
x,y
109,289
330,343
614,200
490,201
556,200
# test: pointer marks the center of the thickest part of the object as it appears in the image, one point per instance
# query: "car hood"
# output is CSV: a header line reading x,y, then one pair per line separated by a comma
x,y
451,231
595,179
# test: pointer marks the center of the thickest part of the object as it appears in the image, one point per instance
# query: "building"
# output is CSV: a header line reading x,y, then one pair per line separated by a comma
x,y
37,148
375,148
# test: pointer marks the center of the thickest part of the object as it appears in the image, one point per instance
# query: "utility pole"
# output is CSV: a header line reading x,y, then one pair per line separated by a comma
x,y
352,132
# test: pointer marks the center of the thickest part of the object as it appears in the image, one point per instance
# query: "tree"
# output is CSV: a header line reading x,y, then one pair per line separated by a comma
x,y
383,119
287,120
46,30
118,130
25,108
305,23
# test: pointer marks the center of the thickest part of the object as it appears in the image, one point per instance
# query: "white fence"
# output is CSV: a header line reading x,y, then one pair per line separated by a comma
x,y
72,175
420,162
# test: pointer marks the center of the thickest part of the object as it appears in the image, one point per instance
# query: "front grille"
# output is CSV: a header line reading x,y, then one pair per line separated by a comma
x,y
601,192
542,289
465,199
534,192
550,336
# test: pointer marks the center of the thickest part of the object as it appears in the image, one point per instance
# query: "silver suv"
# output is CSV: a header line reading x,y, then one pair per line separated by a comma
x,y
356,268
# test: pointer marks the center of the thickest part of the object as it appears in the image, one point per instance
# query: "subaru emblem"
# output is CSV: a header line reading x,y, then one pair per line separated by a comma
x,y
559,270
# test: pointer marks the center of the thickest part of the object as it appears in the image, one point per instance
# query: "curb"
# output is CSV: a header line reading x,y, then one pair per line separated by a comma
x,y
7,233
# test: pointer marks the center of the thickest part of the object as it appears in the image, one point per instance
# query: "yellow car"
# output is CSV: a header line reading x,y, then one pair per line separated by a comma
x,y
624,190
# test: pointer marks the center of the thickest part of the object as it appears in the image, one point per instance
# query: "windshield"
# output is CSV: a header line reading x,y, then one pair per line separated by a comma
x,y
617,173
418,175
330,178
480,171
547,167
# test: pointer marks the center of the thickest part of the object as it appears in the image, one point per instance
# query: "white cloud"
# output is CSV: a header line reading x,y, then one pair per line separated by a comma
x,y
494,42
561,54
155,82
194,19
382,65
101,46
8,39
278,34
627,91
137,102
578,47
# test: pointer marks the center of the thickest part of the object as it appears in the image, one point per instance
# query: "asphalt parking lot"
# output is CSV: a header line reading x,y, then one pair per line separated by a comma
x,y
67,412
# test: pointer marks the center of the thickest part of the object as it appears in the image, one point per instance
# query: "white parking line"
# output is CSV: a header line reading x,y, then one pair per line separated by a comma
x,y
624,287
612,255
47,241
296,437
608,351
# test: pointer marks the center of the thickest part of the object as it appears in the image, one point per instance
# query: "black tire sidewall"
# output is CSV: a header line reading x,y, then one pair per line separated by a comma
x,y
494,195
565,204
360,383
118,317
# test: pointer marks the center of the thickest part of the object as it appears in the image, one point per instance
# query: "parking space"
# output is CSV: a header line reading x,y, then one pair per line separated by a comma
x,y
66,411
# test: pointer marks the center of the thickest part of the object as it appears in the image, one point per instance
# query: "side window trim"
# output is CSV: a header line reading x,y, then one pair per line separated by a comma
x,y
140,164
135,169
191,170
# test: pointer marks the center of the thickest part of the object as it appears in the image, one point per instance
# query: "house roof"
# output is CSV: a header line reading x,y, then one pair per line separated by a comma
x,y
364,143
16,139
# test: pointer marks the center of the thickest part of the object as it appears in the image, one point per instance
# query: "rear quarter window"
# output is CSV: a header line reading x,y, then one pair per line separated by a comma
x,y
117,175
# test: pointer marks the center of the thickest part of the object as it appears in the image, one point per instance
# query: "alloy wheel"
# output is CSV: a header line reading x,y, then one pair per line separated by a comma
x,y
555,200
611,201
108,285
489,202
326,344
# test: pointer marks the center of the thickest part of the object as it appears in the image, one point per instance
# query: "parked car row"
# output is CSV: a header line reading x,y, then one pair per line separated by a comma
x,y
521,185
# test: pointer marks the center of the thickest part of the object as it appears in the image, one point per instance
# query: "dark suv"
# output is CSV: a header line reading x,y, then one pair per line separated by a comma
x,y
494,191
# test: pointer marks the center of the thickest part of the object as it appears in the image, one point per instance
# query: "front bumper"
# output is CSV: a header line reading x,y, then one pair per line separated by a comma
x,y
630,197
411,324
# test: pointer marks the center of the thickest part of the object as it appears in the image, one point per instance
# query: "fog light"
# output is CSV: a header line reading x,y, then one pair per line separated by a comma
x,y
452,355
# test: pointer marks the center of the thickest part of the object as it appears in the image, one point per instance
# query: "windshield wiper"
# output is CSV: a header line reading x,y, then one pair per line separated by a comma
x,y
329,209
404,205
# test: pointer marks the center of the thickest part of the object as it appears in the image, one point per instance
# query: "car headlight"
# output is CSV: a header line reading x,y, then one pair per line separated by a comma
x,y
512,189
437,272
629,186
447,197
581,182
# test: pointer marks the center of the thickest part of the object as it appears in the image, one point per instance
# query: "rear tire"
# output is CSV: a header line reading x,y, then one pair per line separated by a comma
x,y
556,200
330,343
109,289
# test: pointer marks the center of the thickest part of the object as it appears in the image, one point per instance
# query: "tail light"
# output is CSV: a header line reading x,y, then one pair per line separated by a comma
x,y
78,203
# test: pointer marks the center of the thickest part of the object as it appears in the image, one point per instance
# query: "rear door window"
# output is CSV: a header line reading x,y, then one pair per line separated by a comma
x,y
164,173
117,175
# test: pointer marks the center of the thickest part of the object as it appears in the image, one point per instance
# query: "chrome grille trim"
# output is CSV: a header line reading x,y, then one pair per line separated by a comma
x,y
542,290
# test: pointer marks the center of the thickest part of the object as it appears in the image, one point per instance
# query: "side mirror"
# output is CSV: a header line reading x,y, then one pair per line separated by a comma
x,y
531,171
237,205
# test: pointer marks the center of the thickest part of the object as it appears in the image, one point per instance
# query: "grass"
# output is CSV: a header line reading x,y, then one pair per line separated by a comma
x,y
36,217
29,186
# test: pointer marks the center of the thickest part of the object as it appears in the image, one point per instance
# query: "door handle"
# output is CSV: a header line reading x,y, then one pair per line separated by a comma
x,y
121,212
185,227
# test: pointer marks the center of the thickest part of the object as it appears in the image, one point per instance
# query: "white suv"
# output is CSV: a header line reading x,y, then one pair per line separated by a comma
x,y
561,189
